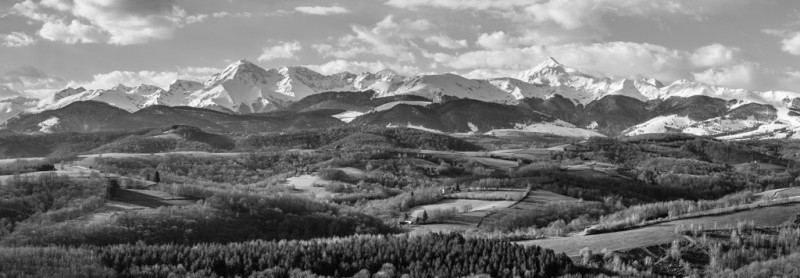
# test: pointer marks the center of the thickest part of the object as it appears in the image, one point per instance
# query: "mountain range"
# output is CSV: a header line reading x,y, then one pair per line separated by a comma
x,y
549,98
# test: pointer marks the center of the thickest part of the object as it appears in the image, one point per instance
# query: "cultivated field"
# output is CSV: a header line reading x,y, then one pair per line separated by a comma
x,y
306,183
462,205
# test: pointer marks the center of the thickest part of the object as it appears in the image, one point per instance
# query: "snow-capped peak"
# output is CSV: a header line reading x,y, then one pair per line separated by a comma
x,y
549,63
387,74
241,70
551,72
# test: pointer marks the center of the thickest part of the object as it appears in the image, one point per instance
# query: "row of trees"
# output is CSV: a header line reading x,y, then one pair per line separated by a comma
x,y
432,255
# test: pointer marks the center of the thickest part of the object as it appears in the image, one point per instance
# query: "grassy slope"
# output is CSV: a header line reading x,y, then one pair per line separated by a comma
x,y
664,232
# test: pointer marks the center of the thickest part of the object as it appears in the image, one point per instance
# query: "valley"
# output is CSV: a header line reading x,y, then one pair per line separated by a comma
x,y
594,176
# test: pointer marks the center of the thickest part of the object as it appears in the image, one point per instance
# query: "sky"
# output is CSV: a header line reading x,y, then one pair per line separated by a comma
x,y
46,45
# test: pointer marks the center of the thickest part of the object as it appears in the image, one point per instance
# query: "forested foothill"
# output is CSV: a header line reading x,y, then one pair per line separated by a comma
x,y
382,202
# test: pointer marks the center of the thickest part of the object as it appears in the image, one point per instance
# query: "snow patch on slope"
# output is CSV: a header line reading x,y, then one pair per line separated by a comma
x,y
410,125
49,125
557,127
768,131
472,127
722,125
348,116
661,124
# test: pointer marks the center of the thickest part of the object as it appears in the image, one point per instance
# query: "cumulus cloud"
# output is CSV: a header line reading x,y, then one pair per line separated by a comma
x,y
121,22
160,79
322,10
715,55
16,39
72,33
497,40
791,43
284,50
740,76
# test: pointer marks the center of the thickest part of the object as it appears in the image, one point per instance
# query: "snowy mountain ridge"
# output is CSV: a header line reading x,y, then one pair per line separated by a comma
x,y
244,87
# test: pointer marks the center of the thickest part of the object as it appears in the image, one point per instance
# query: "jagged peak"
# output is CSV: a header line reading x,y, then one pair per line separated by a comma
x,y
548,67
652,81
239,66
236,70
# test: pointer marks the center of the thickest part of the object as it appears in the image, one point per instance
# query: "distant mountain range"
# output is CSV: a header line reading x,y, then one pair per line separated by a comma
x,y
549,98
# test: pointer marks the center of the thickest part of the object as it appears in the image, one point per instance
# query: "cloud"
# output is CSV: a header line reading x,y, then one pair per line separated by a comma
x,y
30,81
496,40
60,5
72,33
387,38
29,77
715,55
160,79
617,59
740,76
396,39
790,36
791,43
16,39
284,50
327,50
458,4
337,66
321,10
572,14
567,21
32,10
120,22
446,42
